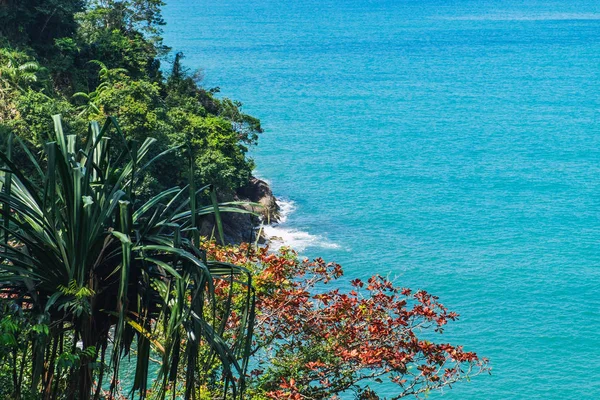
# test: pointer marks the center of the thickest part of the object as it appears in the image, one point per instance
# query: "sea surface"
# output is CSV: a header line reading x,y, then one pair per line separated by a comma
x,y
452,145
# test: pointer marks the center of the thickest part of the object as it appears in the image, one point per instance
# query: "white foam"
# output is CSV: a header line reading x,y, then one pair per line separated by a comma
x,y
286,207
294,238
281,235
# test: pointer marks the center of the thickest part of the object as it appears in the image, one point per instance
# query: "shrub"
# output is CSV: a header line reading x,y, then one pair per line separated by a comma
x,y
311,341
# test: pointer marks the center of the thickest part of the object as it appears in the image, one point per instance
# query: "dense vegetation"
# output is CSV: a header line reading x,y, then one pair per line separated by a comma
x,y
89,60
102,267
90,274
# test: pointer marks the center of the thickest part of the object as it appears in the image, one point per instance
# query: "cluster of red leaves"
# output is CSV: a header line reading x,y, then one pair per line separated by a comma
x,y
315,342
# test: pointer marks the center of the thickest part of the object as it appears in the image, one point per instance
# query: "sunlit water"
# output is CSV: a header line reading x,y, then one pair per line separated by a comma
x,y
453,144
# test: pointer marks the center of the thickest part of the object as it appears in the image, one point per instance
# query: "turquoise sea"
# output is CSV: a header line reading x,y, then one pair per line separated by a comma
x,y
454,145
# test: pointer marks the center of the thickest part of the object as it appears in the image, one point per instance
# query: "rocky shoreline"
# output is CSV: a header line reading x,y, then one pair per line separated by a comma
x,y
244,227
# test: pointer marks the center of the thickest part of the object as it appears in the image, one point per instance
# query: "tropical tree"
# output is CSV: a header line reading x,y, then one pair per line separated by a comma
x,y
16,73
38,22
90,275
375,340
107,78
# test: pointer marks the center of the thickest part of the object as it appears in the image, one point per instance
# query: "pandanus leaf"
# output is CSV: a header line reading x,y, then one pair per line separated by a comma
x,y
136,265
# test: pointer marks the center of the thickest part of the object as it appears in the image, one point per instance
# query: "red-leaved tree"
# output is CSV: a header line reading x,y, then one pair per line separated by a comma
x,y
314,342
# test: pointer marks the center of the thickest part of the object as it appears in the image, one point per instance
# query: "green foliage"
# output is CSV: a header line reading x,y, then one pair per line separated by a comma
x,y
128,15
220,154
33,124
86,263
135,103
99,244
17,70
114,47
103,59
65,54
38,22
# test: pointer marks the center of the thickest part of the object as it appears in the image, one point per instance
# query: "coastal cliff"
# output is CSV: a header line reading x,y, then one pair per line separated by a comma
x,y
242,227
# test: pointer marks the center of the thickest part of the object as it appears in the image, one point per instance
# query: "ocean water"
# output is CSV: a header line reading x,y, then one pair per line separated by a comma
x,y
454,145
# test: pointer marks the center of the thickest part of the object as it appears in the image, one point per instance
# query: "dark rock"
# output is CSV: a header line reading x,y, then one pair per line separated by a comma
x,y
259,191
240,227
237,227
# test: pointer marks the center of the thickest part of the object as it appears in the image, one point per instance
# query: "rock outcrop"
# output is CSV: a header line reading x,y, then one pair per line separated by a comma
x,y
259,191
240,227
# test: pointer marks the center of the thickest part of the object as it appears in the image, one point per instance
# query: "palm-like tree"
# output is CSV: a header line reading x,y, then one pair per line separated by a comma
x,y
105,273
16,74
107,77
